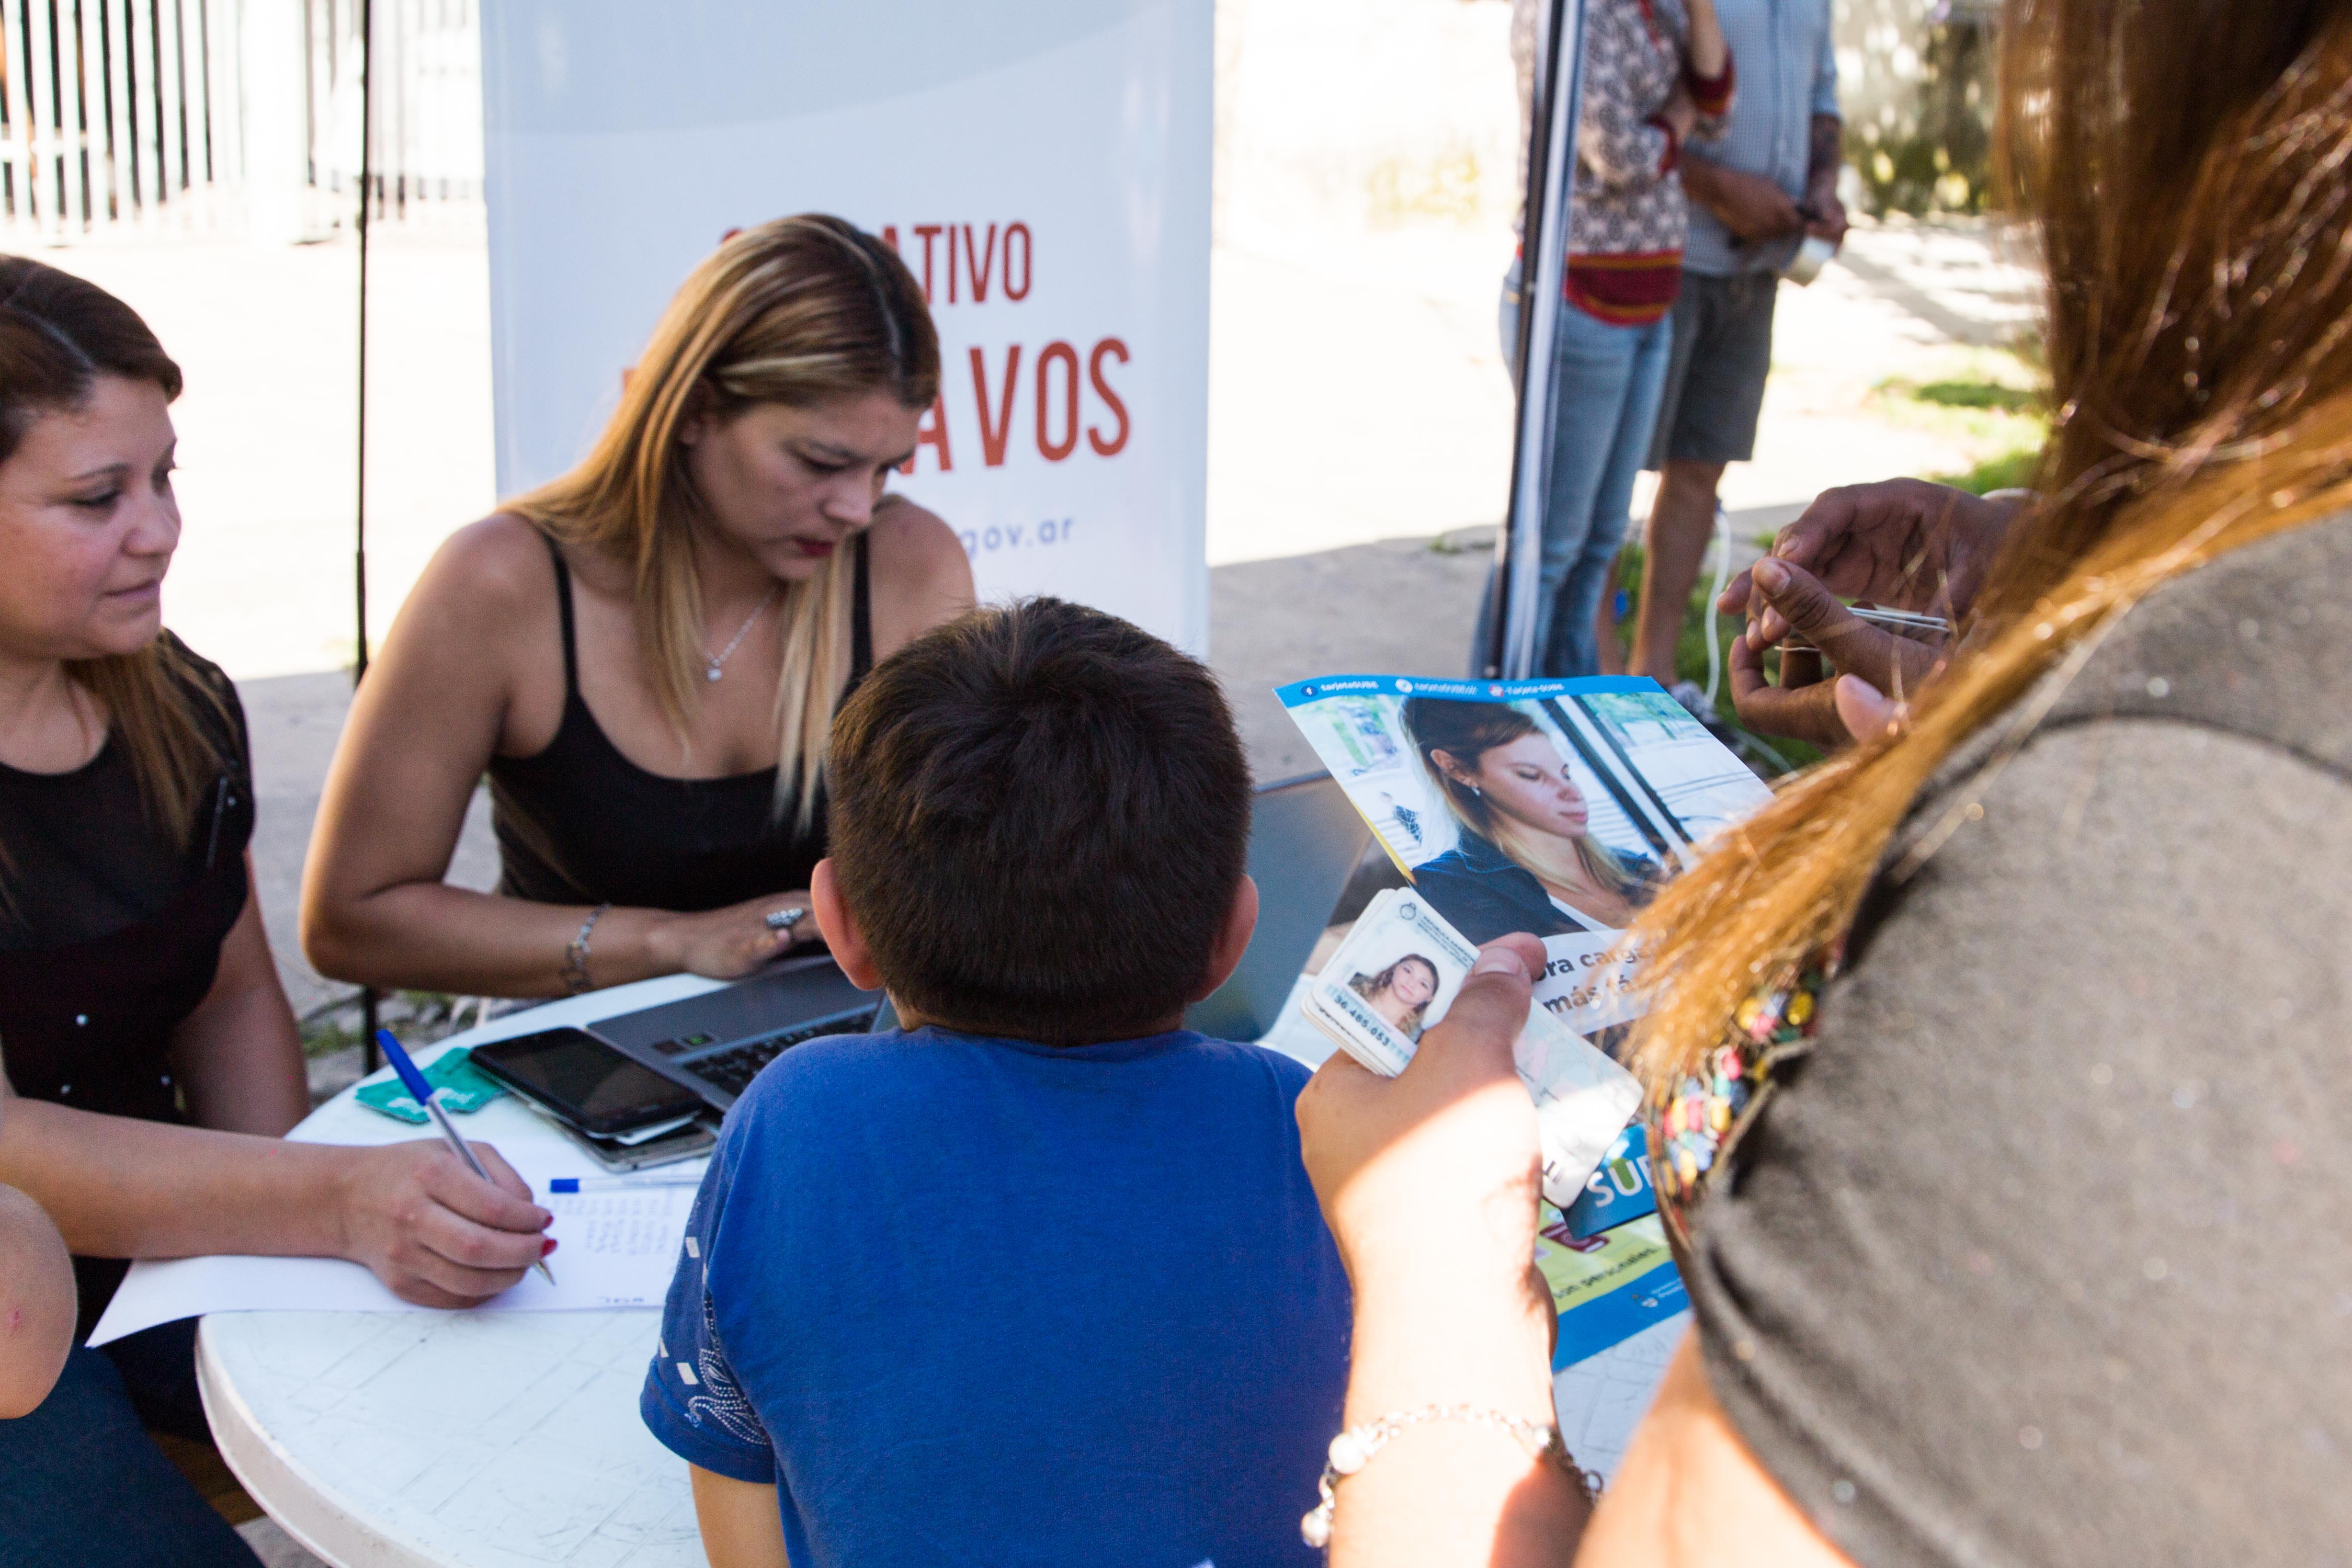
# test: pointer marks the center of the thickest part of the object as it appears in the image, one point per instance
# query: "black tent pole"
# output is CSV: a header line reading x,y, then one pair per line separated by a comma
x,y
367,1054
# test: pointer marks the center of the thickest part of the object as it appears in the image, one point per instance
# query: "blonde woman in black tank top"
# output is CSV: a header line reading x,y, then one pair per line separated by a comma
x,y
644,657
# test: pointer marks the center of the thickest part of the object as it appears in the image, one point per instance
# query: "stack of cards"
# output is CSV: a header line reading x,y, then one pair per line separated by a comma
x,y
1394,977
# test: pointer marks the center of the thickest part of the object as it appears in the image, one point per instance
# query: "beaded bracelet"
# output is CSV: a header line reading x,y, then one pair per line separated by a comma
x,y
1354,1448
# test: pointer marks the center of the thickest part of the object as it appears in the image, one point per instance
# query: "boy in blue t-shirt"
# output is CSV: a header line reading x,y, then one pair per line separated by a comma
x,y
1040,1279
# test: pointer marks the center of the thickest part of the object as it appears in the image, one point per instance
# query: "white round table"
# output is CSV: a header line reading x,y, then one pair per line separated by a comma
x,y
486,1440
501,1440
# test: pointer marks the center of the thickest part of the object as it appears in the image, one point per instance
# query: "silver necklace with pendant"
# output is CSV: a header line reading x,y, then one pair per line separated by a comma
x,y
714,666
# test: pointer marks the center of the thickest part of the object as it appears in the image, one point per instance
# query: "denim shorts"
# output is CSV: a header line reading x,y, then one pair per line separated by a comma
x,y
1715,381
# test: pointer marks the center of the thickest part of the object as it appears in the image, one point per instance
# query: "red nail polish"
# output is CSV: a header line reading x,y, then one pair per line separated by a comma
x,y
547,1246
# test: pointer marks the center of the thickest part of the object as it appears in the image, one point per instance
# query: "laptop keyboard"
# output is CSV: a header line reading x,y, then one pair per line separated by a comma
x,y
732,1070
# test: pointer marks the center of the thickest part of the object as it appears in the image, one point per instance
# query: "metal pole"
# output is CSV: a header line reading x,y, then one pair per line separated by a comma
x,y
368,1055
1551,164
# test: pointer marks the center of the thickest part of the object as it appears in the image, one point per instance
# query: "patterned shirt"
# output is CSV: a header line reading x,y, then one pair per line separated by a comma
x,y
1788,76
1628,218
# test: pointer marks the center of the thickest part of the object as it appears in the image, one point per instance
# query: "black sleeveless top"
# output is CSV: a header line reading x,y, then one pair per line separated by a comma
x,y
110,934
578,823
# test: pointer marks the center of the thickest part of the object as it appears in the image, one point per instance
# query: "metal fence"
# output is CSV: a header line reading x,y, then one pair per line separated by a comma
x,y
136,114
112,110
429,101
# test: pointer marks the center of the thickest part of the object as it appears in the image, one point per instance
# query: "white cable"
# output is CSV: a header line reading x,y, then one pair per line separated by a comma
x,y
1722,576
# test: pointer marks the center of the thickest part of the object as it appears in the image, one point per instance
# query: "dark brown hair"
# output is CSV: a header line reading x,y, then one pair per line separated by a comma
x,y
1370,985
2184,167
801,311
58,334
1039,816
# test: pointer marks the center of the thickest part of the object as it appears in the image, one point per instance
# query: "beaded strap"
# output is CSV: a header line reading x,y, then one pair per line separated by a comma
x,y
1695,1123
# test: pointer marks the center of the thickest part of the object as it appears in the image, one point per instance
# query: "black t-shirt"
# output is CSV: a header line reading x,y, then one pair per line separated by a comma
x,y
110,932
113,932
84,859
2037,1255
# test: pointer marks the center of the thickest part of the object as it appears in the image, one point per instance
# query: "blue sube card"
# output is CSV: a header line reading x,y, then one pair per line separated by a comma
x,y
1618,1190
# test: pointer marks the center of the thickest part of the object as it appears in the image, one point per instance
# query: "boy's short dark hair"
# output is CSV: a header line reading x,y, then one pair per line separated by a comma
x,y
1039,814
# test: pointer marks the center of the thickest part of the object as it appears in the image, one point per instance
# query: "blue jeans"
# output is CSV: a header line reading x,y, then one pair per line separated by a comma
x,y
81,1483
1607,381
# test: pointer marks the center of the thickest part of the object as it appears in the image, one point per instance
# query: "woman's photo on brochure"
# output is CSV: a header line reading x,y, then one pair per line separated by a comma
x,y
1558,808
1525,856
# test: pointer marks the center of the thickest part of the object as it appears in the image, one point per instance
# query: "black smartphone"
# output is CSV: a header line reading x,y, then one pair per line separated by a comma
x,y
585,1081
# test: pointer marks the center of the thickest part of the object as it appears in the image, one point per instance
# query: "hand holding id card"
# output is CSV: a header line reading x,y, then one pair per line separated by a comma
x,y
1395,977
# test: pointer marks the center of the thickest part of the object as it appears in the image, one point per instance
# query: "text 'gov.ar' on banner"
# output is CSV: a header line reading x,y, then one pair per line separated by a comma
x,y
1043,167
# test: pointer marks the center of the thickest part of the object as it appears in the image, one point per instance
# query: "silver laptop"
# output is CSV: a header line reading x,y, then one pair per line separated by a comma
x,y
715,1044
1304,842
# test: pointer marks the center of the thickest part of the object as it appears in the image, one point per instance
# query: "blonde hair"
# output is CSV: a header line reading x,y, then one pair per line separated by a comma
x,y
2201,405
59,333
800,311
1466,732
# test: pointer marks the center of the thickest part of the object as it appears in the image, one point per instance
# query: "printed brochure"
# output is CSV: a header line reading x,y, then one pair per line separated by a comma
x,y
1560,808
1556,807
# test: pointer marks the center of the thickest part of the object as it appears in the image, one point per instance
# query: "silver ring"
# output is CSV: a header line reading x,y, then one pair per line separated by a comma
x,y
786,920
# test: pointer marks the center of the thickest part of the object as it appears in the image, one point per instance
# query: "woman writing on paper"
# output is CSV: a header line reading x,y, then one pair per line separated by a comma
x,y
645,656
151,1061
1522,859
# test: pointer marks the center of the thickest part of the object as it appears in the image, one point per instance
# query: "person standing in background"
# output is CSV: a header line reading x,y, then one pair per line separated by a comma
x,y
1655,75
1755,193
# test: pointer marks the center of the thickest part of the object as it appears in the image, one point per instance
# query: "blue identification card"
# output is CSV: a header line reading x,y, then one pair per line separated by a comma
x,y
1619,1188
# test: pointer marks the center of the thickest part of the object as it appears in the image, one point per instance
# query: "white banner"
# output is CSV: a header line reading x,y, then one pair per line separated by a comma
x,y
1043,167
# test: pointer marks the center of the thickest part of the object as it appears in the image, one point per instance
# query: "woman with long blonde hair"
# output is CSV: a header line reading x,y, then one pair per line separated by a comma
x,y
1998,1072
645,656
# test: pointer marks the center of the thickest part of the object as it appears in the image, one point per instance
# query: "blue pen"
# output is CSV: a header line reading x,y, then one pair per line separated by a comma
x,y
569,1185
423,1093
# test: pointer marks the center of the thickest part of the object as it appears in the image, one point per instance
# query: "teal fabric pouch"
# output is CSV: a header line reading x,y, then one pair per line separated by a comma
x,y
464,1088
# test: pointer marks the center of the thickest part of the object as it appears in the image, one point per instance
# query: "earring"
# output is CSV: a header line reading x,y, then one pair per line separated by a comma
x,y
1476,791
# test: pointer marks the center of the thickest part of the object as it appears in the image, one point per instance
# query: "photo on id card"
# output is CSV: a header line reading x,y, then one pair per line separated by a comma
x,y
1395,976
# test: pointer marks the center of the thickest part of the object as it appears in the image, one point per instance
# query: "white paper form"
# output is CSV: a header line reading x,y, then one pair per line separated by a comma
x,y
618,1248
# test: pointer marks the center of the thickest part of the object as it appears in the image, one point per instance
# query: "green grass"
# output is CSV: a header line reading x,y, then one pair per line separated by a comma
x,y
1690,652
2012,470
1990,403
418,1018
1976,393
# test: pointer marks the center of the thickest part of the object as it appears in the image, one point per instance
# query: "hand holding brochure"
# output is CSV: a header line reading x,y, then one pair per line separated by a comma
x,y
1554,807
1396,975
